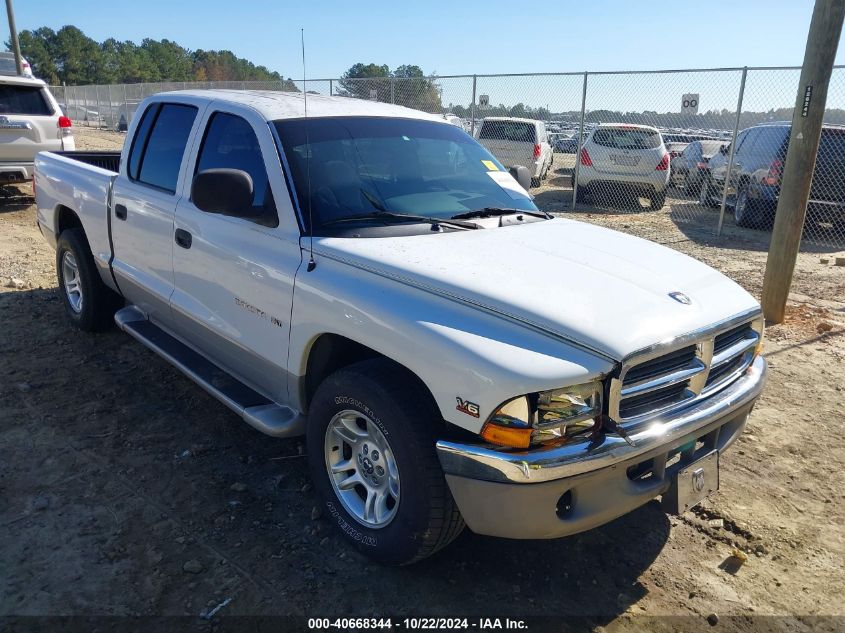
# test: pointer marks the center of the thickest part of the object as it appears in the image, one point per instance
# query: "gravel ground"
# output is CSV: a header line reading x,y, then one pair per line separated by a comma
x,y
126,490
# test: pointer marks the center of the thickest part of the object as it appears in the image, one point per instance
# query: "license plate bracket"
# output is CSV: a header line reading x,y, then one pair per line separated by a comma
x,y
692,484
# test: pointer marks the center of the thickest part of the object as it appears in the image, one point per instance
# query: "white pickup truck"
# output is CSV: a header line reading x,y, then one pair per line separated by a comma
x,y
373,278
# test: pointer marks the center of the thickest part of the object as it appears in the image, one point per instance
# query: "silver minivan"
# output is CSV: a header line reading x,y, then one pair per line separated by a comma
x,y
30,122
623,155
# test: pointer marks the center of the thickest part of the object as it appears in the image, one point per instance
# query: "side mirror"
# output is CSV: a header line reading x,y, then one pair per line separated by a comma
x,y
223,191
521,175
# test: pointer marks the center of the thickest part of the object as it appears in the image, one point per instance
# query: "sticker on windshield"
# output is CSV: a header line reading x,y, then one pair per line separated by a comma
x,y
489,164
511,186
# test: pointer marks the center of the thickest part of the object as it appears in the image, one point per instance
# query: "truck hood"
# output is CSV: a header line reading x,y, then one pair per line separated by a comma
x,y
605,290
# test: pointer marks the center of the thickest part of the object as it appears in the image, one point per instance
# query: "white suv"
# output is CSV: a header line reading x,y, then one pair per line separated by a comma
x,y
30,122
518,142
619,154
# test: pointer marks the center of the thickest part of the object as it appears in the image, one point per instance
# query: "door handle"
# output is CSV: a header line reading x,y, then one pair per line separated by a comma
x,y
183,238
120,211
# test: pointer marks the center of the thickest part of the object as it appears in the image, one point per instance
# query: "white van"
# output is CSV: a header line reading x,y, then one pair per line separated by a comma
x,y
518,142
31,121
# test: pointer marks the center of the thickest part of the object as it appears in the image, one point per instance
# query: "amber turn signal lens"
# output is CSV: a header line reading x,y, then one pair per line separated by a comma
x,y
507,436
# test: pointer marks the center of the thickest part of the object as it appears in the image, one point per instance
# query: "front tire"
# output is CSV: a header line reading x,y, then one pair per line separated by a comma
x,y
89,303
371,454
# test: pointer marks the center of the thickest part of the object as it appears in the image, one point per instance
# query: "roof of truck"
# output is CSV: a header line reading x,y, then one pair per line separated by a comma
x,y
273,104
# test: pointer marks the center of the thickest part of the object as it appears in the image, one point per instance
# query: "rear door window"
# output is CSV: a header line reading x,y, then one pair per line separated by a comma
x,y
164,147
24,100
230,142
627,138
508,131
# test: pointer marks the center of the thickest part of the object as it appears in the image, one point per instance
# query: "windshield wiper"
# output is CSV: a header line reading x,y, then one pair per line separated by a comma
x,y
401,217
488,212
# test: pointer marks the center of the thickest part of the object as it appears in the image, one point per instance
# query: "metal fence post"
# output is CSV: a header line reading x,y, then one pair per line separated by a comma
x,y
733,149
580,142
393,90
125,105
99,107
331,87
111,109
472,107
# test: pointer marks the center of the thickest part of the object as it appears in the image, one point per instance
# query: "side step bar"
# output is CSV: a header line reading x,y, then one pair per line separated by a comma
x,y
256,410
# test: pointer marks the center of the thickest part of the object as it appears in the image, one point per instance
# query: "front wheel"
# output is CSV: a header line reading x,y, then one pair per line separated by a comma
x,y
371,454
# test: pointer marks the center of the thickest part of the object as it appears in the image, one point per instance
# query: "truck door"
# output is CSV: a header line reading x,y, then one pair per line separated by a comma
x,y
234,275
143,205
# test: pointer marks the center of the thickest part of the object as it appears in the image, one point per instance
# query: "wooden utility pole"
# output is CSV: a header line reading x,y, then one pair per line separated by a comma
x,y
822,41
13,36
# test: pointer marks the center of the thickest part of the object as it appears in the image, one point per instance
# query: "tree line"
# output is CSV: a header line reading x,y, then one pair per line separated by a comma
x,y
69,56
406,85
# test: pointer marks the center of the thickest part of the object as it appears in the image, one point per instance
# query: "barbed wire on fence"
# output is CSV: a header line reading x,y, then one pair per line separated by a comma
x,y
704,151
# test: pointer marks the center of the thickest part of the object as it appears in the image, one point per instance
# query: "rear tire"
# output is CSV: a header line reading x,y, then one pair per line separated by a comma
x,y
749,213
705,194
371,454
691,188
89,303
581,195
657,200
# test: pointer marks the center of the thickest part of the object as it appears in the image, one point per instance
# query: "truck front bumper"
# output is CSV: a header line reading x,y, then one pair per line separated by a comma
x,y
549,493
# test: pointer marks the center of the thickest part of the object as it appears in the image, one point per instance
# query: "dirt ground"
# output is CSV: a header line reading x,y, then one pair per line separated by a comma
x,y
126,490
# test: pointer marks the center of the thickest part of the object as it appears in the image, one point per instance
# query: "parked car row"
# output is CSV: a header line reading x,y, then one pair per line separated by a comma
x,y
692,166
753,187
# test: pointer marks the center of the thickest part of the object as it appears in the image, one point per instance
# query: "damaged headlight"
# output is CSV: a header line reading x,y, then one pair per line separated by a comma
x,y
545,416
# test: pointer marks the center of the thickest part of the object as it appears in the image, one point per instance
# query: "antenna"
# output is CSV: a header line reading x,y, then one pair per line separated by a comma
x,y
311,263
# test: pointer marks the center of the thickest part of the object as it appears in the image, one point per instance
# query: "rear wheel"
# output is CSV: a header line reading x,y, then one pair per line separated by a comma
x,y
582,193
89,303
691,186
657,200
371,453
705,193
748,213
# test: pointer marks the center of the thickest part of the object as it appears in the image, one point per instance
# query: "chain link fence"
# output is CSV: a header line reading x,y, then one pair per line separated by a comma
x,y
705,147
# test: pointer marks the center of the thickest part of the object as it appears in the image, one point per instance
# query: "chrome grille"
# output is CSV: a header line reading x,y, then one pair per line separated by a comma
x,y
672,375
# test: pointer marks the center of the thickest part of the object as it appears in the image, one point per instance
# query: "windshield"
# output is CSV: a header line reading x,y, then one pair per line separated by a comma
x,y
367,165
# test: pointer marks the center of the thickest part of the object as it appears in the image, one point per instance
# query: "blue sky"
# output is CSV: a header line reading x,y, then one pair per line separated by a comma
x,y
456,37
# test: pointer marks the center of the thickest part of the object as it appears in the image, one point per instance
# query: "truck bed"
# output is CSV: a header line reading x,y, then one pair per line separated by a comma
x,y
108,160
79,181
